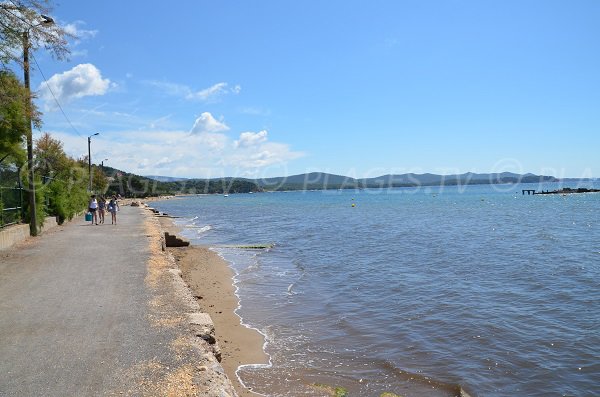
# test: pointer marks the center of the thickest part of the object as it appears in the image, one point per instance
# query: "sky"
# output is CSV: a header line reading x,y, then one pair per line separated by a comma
x,y
268,88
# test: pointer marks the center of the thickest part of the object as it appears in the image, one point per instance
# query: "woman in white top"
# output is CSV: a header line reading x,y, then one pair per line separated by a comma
x,y
93,207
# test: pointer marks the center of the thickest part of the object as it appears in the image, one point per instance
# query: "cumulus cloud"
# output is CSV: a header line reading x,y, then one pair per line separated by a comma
x,y
214,141
251,138
206,123
81,81
206,154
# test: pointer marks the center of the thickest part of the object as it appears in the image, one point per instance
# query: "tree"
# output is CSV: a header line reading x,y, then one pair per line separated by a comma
x,y
64,179
20,16
99,180
13,127
50,157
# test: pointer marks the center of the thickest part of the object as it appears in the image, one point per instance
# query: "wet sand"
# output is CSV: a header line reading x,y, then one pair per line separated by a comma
x,y
211,281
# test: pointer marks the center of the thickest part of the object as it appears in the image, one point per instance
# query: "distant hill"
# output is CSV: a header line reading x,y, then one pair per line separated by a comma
x,y
320,180
469,178
165,178
313,180
129,185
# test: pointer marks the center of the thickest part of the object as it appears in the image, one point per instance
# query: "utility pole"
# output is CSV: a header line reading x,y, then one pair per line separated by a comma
x,y
33,231
90,157
28,109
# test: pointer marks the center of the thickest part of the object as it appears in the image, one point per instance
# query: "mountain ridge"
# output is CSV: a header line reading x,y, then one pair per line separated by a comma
x,y
322,180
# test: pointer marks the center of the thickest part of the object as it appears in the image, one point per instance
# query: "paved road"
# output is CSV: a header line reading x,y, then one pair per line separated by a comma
x,y
74,310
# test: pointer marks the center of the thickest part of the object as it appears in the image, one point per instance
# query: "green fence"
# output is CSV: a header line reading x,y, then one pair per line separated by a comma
x,y
11,205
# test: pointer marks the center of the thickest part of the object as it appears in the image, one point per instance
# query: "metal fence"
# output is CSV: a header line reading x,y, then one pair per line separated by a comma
x,y
11,205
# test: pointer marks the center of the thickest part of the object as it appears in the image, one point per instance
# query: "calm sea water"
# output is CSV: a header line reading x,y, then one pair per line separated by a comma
x,y
414,291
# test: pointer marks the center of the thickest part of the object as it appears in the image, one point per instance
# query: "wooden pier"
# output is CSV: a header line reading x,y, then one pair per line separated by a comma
x,y
564,191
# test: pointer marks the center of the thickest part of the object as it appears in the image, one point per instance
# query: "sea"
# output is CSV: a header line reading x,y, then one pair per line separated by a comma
x,y
425,291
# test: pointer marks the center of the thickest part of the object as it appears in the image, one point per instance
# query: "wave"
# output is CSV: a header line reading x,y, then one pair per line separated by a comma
x,y
290,290
191,222
204,229
454,389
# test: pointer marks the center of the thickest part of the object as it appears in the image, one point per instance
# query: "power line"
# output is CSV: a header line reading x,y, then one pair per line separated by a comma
x,y
54,96
18,16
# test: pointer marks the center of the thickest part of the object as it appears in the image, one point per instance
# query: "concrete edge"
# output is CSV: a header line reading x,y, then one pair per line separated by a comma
x,y
15,234
200,324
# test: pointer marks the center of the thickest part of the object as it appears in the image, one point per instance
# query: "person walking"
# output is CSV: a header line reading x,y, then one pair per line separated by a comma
x,y
113,207
93,208
101,208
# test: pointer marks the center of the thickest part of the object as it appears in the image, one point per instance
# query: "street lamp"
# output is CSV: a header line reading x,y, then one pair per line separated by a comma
x,y
46,21
90,157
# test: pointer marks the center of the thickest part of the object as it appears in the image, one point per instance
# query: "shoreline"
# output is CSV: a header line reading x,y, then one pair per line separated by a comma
x,y
212,283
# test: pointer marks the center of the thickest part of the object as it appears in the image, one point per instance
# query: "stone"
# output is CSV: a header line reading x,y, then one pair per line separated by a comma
x,y
174,241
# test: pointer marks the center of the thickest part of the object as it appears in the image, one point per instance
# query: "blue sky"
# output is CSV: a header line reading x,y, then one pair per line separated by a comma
x,y
273,88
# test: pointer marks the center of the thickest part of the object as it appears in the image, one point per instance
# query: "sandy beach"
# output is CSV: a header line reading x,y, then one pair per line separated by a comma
x,y
211,280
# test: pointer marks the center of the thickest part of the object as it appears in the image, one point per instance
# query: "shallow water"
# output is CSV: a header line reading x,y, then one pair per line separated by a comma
x,y
414,291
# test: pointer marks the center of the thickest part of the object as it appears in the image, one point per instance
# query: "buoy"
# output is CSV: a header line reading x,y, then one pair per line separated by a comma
x,y
354,205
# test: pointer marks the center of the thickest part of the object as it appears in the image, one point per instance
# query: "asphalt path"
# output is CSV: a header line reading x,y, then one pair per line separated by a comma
x,y
74,309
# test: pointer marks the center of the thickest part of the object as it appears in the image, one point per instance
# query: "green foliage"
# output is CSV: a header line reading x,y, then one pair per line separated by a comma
x,y
65,199
10,196
39,199
211,186
341,392
65,180
99,180
13,126
131,185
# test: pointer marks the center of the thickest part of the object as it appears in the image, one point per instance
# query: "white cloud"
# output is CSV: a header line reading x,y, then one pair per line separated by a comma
x,y
83,80
206,123
159,121
213,141
251,138
164,162
79,33
261,155
211,93
179,153
171,88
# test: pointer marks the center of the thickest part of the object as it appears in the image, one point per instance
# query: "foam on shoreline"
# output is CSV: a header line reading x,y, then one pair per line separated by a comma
x,y
269,364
